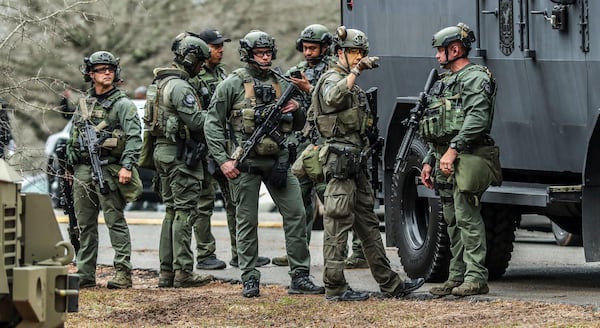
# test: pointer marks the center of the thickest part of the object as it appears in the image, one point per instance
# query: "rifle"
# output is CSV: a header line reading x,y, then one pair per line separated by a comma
x,y
412,122
269,119
66,196
90,142
375,141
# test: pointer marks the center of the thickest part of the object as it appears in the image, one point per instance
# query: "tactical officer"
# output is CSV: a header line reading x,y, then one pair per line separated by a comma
x,y
180,160
237,104
314,43
463,155
341,117
107,110
205,83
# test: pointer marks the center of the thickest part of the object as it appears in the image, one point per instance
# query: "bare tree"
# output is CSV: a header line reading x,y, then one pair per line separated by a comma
x,y
43,42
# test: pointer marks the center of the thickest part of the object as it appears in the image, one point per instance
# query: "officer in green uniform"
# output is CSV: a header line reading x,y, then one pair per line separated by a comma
x,y
180,160
236,104
457,124
114,116
205,83
341,116
314,43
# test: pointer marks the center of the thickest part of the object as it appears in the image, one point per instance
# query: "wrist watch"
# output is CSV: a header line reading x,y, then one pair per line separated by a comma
x,y
453,146
128,166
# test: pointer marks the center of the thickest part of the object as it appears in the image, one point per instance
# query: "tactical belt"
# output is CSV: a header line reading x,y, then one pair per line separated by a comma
x,y
88,161
443,186
250,169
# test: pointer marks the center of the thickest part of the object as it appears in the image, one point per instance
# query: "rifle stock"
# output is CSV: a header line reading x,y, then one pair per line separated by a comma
x,y
412,123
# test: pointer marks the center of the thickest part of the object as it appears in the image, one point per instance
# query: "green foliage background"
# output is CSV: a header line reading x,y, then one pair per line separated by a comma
x,y
43,42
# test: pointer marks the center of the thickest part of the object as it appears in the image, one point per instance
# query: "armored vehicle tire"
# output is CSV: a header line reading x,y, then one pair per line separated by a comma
x,y
565,238
419,227
500,225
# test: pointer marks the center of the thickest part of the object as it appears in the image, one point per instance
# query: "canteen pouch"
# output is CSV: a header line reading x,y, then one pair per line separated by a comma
x,y
266,146
339,198
475,172
312,164
146,159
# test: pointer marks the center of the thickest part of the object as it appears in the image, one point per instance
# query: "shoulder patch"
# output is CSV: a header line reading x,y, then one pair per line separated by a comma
x,y
189,100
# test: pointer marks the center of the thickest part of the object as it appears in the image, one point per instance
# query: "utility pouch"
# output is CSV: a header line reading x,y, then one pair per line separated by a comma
x,y
266,146
349,121
298,168
343,163
326,124
248,121
339,198
475,172
195,152
172,128
278,175
312,164
147,152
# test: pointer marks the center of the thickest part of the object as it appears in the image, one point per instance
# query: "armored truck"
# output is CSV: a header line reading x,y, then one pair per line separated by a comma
x,y
547,68
36,289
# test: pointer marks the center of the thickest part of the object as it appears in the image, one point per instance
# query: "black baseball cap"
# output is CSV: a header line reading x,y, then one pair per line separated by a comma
x,y
212,36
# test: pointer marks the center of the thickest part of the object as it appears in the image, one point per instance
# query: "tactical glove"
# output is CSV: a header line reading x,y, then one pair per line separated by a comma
x,y
368,63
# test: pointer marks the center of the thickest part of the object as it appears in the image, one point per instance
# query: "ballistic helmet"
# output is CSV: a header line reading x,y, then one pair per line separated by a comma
x,y
460,32
189,50
350,38
316,33
256,39
100,57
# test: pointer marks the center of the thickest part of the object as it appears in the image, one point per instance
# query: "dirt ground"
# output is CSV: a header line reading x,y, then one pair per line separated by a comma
x,y
220,304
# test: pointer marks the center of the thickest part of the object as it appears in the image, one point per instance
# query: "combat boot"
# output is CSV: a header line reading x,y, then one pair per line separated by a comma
x,y
185,279
281,260
445,288
211,263
251,287
469,288
301,284
122,278
349,295
165,279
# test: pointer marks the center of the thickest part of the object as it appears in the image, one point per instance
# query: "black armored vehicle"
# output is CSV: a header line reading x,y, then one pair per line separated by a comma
x,y
547,67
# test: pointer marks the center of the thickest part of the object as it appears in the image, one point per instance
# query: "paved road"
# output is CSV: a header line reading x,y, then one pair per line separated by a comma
x,y
539,270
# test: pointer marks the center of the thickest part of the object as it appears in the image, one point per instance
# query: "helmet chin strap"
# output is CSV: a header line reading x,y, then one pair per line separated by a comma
x,y
252,61
447,63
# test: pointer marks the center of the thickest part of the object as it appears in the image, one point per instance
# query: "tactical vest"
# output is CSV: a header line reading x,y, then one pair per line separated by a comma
x,y
333,122
445,115
207,84
313,73
246,114
160,115
106,122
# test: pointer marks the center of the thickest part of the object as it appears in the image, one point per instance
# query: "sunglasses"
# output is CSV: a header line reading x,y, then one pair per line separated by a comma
x,y
108,69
